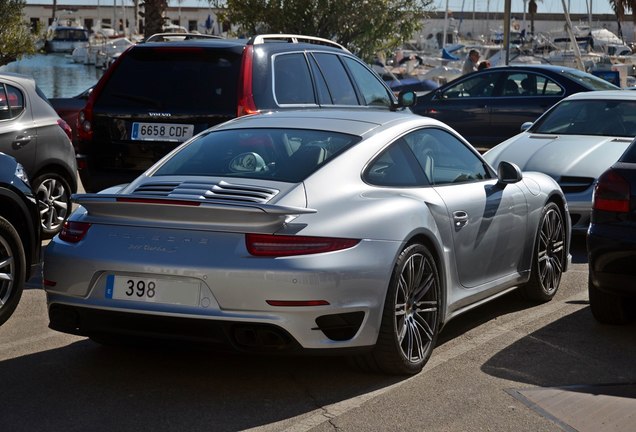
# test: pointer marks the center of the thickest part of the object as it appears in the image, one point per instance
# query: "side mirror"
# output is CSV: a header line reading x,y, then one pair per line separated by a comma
x,y
508,173
526,126
407,98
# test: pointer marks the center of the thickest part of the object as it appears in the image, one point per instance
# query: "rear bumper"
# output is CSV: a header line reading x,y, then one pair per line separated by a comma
x,y
238,336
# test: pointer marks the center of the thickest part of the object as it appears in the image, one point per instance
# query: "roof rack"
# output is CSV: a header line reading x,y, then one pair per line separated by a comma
x,y
168,37
294,38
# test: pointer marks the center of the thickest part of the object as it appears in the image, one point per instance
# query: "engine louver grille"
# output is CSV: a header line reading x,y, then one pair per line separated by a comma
x,y
222,190
575,184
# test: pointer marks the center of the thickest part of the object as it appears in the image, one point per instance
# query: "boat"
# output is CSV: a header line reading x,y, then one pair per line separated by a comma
x,y
100,50
64,35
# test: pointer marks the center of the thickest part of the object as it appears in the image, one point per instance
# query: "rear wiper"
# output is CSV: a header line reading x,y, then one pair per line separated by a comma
x,y
141,99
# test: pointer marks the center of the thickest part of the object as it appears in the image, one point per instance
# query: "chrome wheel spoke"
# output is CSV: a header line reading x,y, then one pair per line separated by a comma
x,y
551,250
416,307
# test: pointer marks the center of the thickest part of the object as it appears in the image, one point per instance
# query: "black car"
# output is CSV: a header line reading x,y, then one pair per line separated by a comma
x,y
160,93
19,234
611,242
489,106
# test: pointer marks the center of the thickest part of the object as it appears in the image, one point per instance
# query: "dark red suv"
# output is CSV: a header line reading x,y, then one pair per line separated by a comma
x,y
160,93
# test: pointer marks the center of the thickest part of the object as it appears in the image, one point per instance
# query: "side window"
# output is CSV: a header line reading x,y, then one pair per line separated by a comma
x,y
340,86
512,86
444,158
292,80
324,97
11,102
547,87
395,167
4,104
479,86
373,91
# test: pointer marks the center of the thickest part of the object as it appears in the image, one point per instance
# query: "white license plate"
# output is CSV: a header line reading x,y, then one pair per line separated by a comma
x,y
153,290
161,132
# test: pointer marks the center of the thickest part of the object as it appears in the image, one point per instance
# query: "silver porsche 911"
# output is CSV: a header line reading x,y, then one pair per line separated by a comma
x,y
346,232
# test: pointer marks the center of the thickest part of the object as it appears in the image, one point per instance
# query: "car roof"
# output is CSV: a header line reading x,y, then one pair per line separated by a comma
x,y
349,121
604,94
271,41
23,79
541,67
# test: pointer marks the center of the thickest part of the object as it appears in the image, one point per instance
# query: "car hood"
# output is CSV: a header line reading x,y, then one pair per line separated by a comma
x,y
560,155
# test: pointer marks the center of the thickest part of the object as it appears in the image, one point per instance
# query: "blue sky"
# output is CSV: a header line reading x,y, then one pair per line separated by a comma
x,y
548,6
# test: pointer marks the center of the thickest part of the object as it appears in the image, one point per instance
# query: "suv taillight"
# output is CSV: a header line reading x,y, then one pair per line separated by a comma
x,y
246,103
611,193
85,116
66,128
84,125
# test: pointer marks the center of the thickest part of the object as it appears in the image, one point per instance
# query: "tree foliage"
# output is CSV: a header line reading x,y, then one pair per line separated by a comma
x,y
16,39
365,27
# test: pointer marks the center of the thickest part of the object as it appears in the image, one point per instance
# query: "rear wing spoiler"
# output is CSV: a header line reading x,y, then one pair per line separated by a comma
x,y
197,214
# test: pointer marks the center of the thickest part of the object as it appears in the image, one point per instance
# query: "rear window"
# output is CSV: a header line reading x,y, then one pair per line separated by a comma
x,y
192,80
589,80
288,155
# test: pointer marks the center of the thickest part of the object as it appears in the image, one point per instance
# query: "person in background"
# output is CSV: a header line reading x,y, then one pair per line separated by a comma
x,y
483,65
470,65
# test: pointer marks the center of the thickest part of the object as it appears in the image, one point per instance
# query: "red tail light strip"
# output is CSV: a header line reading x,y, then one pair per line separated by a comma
x,y
280,245
73,232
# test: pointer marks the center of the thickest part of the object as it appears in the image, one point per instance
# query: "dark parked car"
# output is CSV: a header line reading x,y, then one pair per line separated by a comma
x,y
19,234
161,93
33,133
489,106
68,108
611,243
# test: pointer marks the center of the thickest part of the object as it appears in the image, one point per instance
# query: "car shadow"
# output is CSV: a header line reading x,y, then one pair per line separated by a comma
x,y
571,351
85,386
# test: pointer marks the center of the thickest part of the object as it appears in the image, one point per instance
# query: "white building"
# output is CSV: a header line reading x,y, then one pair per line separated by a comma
x,y
204,19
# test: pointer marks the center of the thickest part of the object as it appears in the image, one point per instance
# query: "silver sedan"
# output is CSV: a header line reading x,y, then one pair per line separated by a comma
x,y
574,142
355,232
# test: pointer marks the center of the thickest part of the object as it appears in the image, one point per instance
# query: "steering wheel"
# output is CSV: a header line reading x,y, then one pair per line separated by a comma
x,y
248,162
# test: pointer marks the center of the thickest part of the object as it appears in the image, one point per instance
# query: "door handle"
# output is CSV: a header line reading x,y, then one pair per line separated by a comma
x,y
460,218
21,140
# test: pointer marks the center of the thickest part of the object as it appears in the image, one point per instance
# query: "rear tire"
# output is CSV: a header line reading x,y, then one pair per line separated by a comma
x,y
410,319
548,256
608,308
12,269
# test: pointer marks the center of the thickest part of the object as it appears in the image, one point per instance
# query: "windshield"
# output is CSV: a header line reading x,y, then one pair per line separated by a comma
x,y
588,80
288,155
590,117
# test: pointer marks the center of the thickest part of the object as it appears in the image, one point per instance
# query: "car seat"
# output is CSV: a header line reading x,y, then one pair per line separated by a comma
x,y
511,88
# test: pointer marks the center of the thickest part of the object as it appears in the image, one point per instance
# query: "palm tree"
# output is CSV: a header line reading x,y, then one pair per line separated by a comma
x,y
532,11
620,7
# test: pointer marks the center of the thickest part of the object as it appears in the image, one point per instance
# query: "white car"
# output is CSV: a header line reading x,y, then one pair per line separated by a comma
x,y
574,142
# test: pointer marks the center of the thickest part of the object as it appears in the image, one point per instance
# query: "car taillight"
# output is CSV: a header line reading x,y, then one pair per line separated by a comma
x,y
611,193
73,232
84,124
246,104
66,128
282,245
85,116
